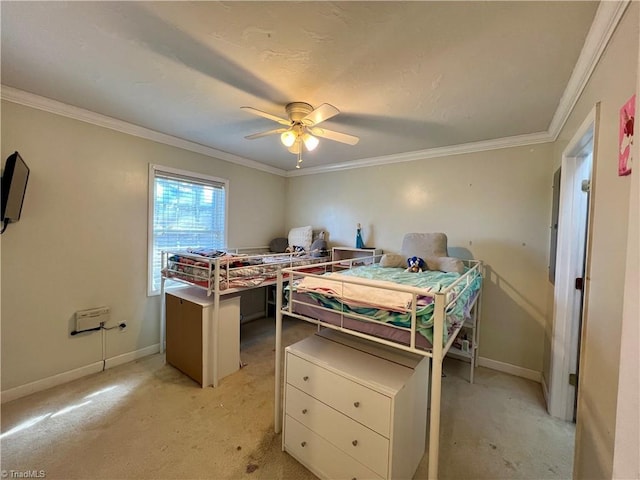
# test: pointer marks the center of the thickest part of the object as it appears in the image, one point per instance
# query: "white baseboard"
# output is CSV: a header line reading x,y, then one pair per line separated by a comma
x,y
510,369
131,356
545,391
65,377
59,379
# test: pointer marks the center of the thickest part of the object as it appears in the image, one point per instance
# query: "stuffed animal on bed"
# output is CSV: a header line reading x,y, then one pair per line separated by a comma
x,y
416,264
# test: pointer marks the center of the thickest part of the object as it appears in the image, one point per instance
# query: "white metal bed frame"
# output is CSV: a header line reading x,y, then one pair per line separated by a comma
x,y
437,353
212,272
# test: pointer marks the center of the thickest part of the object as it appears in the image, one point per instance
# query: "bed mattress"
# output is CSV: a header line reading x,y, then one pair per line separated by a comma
x,y
236,271
385,316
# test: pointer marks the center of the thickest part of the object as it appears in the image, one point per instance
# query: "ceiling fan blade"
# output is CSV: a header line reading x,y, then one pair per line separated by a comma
x,y
260,113
320,114
336,136
264,134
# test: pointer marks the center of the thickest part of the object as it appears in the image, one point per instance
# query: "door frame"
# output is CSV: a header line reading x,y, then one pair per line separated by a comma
x,y
565,307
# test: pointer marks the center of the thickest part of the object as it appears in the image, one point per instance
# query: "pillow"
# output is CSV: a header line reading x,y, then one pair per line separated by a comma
x,y
424,245
433,248
319,248
278,245
445,264
301,237
391,260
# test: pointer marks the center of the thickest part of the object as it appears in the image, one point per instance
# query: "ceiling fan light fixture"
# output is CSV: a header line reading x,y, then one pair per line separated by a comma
x,y
288,138
296,148
300,130
310,141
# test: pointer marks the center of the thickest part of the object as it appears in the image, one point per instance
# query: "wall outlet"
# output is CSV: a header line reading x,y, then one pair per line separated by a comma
x,y
122,326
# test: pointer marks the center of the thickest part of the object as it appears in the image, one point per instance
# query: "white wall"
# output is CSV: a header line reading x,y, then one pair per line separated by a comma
x,y
82,238
626,458
613,82
494,206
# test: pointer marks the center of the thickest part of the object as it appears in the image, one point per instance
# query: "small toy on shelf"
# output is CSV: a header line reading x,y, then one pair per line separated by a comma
x,y
359,241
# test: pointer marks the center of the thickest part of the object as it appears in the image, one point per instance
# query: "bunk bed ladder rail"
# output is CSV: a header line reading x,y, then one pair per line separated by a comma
x,y
216,310
436,384
414,319
278,417
163,308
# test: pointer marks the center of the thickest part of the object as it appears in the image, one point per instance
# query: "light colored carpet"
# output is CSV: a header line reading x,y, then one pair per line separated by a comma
x,y
146,420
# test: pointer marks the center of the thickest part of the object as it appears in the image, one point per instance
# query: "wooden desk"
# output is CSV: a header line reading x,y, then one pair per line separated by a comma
x,y
195,344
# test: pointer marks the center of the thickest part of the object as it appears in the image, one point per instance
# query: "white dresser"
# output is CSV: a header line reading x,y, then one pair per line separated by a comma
x,y
353,409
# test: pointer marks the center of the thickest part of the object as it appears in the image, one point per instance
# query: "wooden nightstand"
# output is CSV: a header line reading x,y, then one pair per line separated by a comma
x,y
190,334
351,257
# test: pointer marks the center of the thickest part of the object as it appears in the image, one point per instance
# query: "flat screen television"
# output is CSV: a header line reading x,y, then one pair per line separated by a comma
x,y
14,186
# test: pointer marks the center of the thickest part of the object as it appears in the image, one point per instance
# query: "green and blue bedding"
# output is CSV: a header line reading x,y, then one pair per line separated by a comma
x,y
380,303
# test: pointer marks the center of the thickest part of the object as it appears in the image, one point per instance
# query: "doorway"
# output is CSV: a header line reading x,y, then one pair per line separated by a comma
x,y
571,265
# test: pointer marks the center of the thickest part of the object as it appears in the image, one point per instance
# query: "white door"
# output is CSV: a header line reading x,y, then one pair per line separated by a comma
x,y
571,259
579,224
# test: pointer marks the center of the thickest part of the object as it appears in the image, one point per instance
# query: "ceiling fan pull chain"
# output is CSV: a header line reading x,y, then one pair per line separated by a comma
x,y
299,156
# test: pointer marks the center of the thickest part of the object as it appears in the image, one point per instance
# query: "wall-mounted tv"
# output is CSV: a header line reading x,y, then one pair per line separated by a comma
x,y
14,186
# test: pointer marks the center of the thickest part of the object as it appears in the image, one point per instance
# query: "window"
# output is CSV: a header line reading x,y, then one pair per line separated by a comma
x,y
185,210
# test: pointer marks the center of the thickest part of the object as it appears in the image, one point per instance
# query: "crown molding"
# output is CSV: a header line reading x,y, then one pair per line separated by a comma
x,y
32,100
604,24
506,142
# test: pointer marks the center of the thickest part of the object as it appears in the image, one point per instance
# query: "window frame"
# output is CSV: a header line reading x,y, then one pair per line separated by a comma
x,y
153,168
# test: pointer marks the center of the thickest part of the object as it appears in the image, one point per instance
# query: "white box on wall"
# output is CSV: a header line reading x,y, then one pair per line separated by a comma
x,y
92,318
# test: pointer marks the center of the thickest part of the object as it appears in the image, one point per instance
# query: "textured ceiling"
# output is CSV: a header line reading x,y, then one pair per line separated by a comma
x,y
406,76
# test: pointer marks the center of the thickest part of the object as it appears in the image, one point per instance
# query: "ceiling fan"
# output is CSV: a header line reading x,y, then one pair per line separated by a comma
x,y
301,127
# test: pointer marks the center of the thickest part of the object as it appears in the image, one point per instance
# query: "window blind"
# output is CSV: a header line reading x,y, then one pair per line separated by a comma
x,y
188,211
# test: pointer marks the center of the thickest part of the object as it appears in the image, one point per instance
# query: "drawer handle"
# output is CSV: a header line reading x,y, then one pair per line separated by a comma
x,y
303,444
354,443
356,404
304,411
305,378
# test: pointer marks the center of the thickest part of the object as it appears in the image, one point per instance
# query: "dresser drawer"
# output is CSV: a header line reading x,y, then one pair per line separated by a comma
x,y
320,456
368,407
365,445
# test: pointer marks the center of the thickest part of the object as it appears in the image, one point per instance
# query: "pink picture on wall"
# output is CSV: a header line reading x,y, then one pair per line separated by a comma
x,y
627,117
